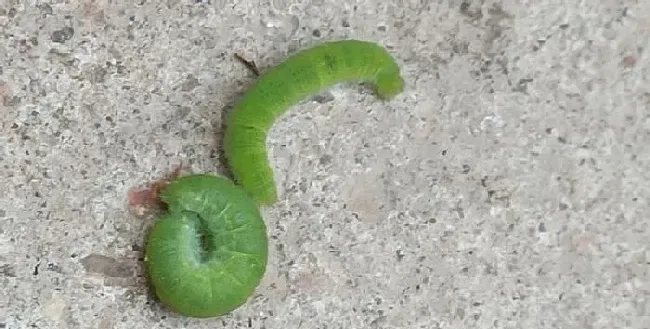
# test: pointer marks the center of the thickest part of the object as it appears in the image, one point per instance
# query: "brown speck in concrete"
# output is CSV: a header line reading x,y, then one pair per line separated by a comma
x,y
108,266
141,201
94,13
629,61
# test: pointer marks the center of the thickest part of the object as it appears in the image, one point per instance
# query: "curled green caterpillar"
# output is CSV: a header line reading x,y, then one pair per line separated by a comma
x,y
306,72
206,255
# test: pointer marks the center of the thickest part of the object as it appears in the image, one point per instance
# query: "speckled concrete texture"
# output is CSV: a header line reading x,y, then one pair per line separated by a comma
x,y
508,186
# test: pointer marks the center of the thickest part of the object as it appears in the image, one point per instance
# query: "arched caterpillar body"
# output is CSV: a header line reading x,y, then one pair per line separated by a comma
x,y
306,72
208,253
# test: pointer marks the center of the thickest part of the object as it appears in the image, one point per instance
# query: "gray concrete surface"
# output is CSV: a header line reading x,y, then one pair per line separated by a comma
x,y
507,187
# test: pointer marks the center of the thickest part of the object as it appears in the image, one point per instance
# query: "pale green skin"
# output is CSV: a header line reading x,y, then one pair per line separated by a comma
x,y
214,279
305,73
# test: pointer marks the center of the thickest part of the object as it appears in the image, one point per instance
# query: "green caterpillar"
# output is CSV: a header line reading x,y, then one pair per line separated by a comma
x,y
306,72
208,253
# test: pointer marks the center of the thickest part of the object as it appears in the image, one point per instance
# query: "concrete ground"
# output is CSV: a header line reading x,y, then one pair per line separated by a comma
x,y
506,187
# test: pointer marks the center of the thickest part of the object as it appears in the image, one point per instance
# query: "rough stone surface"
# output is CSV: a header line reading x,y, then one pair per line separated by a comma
x,y
507,187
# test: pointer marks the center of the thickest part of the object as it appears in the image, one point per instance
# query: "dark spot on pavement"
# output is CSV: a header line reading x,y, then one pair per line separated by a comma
x,y
325,159
324,97
95,263
8,270
62,35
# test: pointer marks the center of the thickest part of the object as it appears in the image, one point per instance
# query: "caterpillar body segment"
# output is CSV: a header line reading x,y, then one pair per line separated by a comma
x,y
305,73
